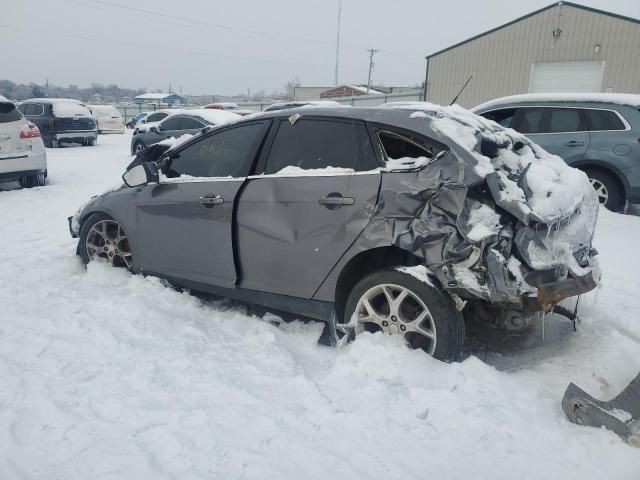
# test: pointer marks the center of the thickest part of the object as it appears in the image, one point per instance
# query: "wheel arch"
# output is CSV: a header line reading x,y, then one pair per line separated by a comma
x,y
607,168
366,262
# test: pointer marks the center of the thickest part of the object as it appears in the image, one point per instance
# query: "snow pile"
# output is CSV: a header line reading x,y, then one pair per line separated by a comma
x,y
484,221
214,117
110,375
405,163
420,272
553,189
291,171
174,142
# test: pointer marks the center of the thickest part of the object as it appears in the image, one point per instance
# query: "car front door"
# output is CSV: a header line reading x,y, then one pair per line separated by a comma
x,y
560,131
315,191
185,221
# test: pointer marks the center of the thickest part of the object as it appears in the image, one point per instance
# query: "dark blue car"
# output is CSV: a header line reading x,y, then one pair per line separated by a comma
x,y
61,120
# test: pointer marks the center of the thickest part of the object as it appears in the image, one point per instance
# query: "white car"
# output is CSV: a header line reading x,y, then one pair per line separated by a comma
x,y
108,118
22,154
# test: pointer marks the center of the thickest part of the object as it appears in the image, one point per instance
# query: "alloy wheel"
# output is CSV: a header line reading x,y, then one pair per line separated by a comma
x,y
601,190
396,310
106,239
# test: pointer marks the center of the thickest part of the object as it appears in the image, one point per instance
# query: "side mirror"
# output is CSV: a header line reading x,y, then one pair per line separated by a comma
x,y
140,175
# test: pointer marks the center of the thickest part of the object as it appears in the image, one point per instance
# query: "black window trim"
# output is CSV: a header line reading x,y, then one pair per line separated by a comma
x,y
261,164
520,110
165,161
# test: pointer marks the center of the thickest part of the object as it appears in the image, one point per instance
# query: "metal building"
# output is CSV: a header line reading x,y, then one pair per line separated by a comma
x,y
564,47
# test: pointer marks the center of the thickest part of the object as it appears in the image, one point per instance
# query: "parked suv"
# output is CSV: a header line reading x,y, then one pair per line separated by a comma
x,y
61,120
369,219
22,154
597,133
108,118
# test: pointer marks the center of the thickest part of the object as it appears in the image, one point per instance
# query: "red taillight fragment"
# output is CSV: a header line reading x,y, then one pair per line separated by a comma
x,y
30,130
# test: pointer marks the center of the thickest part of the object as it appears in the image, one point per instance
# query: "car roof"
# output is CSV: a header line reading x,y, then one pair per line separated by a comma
x,y
371,114
629,99
52,100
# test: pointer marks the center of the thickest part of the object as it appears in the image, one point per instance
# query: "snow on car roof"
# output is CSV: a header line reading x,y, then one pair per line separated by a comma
x,y
54,100
4,99
216,117
617,98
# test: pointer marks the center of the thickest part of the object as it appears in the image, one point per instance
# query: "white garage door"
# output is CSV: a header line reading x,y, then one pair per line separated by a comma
x,y
566,77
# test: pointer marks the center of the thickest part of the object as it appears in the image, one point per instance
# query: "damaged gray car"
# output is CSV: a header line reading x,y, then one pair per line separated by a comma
x,y
404,221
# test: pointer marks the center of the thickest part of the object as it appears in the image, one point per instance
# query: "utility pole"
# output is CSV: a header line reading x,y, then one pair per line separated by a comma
x,y
372,52
335,79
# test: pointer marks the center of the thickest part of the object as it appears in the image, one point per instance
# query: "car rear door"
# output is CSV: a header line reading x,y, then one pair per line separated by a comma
x,y
185,224
559,130
315,191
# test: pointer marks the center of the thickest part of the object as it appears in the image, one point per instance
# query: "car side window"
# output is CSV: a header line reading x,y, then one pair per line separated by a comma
x,y
173,123
565,120
311,144
398,146
504,116
551,120
603,120
223,154
34,109
191,124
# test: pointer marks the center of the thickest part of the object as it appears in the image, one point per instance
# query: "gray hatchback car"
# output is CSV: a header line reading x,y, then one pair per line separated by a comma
x,y
372,220
598,133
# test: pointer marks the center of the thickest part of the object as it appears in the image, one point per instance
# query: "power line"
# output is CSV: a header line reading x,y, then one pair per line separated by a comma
x,y
151,47
119,8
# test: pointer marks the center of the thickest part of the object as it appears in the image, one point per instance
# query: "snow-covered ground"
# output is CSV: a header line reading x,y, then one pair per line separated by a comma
x,y
108,375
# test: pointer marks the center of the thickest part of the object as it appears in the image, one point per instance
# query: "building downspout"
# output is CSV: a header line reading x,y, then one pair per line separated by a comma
x,y
426,82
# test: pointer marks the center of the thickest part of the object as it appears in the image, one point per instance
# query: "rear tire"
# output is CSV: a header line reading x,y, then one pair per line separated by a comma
x,y
30,181
609,190
398,303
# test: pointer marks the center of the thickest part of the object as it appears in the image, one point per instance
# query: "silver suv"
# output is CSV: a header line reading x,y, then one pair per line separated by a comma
x,y
595,132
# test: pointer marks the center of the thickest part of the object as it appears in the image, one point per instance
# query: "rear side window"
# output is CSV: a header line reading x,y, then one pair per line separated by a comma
x,y
316,144
173,123
9,113
34,109
551,120
602,120
190,124
156,117
503,116
397,147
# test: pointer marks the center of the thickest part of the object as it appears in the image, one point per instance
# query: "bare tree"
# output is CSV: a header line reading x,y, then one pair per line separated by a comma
x,y
290,87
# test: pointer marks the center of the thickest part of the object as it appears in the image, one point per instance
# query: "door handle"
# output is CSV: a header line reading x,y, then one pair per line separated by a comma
x,y
574,143
209,200
335,200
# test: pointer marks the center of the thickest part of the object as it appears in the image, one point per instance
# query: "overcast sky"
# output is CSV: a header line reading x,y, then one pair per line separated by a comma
x,y
229,46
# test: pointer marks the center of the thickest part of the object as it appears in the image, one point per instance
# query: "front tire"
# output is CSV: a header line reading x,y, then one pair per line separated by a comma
x,y
101,237
609,190
397,303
